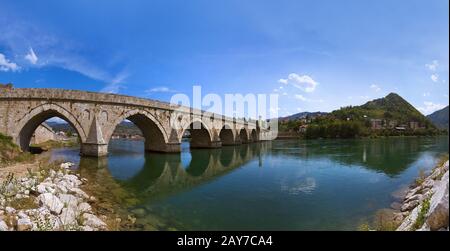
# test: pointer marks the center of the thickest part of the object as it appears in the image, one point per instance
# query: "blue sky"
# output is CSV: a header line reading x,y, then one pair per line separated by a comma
x,y
323,54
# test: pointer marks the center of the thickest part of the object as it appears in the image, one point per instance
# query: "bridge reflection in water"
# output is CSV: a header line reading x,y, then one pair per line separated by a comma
x,y
162,175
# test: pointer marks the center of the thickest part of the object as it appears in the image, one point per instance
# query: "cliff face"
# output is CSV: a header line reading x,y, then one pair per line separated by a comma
x,y
426,206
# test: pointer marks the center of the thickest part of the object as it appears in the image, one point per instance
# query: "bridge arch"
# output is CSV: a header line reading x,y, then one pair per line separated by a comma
x,y
254,135
243,135
155,136
201,135
28,124
227,135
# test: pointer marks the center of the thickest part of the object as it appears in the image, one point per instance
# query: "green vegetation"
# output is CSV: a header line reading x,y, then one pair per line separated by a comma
x,y
440,118
422,214
11,153
56,144
388,116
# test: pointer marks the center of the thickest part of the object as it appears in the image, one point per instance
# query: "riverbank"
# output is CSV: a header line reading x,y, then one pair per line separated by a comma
x,y
49,199
425,206
422,206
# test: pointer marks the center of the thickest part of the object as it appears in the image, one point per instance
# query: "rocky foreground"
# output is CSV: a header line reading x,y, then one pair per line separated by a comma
x,y
47,200
425,206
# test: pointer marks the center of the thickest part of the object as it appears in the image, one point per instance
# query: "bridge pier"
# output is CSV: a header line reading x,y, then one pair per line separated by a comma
x,y
94,150
201,144
163,147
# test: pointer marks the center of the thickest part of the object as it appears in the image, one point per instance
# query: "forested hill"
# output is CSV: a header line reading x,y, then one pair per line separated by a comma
x,y
390,108
440,118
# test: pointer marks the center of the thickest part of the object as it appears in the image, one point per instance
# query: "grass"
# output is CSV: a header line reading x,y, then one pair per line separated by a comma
x,y
10,153
422,176
56,144
422,214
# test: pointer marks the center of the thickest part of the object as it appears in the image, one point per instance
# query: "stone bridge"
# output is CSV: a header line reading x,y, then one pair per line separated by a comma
x,y
94,116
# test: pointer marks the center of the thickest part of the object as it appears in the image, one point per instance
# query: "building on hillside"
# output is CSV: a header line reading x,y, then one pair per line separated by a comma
x,y
376,124
400,128
302,128
42,134
392,124
414,125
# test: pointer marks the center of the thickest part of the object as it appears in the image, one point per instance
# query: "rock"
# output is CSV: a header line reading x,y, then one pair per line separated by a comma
x,y
84,207
414,197
413,192
51,202
72,179
93,221
3,226
438,214
428,183
45,187
79,192
409,206
24,224
87,228
409,221
68,216
69,200
66,165
10,210
22,215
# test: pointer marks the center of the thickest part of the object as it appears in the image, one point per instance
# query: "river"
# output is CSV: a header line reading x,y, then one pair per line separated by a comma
x,y
278,185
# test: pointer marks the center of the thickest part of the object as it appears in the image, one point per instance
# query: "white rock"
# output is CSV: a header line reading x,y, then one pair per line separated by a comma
x,y
93,221
409,205
68,216
409,221
72,180
3,226
24,224
438,214
22,215
69,200
79,192
84,207
10,210
51,202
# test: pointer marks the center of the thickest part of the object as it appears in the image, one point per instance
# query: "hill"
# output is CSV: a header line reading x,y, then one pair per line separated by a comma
x,y
440,118
302,115
390,108
387,116
125,128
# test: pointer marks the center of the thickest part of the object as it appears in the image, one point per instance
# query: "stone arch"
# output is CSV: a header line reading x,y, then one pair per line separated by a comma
x,y
28,124
254,135
155,136
243,135
227,135
201,136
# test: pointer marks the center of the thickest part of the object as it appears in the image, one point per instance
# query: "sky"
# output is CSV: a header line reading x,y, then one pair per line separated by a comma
x,y
316,55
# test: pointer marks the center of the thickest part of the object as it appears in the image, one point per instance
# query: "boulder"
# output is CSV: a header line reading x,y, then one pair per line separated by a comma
x,y
409,205
437,216
93,221
84,207
24,224
68,216
51,202
3,226
69,200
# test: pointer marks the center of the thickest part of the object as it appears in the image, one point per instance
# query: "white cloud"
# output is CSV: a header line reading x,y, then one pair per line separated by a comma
x,y
302,98
433,66
302,82
31,56
6,65
375,87
116,84
160,89
434,77
17,35
430,107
